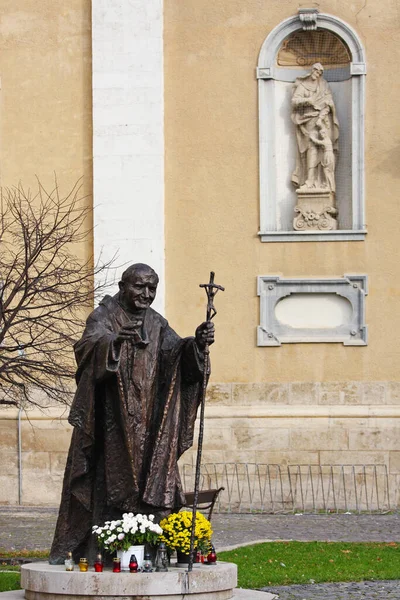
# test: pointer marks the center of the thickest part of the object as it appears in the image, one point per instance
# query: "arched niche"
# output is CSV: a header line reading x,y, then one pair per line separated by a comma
x,y
278,67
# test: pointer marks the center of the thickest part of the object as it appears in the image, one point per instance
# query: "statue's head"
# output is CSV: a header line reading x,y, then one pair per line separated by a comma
x,y
317,70
138,287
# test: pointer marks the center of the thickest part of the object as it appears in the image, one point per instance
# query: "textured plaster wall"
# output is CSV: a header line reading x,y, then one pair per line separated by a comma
x,y
212,201
45,128
45,96
45,106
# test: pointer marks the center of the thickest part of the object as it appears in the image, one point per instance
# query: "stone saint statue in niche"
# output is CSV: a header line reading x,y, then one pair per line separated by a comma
x,y
138,388
317,134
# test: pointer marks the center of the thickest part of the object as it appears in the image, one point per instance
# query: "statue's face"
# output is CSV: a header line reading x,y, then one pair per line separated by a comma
x,y
139,291
316,74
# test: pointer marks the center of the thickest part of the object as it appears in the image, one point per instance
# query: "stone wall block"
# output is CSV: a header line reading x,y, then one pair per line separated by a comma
x,y
373,393
259,439
260,393
9,462
35,461
9,434
46,436
216,457
375,439
340,393
287,457
353,457
394,461
394,490
393,392
208,456
41,489
216,438
328,439
219,393
303,393
353,423
57,462
9,489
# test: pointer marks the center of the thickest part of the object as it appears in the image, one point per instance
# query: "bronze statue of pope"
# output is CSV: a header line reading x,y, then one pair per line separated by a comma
x,y
133,415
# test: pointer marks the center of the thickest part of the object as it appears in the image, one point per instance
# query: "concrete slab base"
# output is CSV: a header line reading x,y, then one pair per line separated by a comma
x,y
238,594
16,595
42,581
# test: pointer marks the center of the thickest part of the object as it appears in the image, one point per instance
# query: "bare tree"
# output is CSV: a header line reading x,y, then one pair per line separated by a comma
x,y
44,291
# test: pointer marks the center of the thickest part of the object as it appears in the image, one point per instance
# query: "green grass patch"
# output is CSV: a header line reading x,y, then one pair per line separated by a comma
x,y
24,554
285,563
9,582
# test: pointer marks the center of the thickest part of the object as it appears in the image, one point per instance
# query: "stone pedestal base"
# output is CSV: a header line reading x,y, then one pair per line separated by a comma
x,y
316,210
52,582
238,594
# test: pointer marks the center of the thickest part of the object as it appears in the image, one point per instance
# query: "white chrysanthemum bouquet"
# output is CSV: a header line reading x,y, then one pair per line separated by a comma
x,y
131,530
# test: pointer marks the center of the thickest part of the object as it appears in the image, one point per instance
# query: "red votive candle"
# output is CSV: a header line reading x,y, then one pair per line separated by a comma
x,y
98,565
116,565
133,565
212,557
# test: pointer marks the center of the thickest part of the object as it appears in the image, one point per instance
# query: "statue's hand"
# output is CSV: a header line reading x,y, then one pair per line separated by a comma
x,y
205,334
130,332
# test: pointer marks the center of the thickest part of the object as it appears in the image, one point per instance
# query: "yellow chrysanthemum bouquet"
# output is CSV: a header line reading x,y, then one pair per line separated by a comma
x,y
177,529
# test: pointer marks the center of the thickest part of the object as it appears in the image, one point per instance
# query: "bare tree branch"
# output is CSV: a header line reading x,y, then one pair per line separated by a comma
x,y
45,290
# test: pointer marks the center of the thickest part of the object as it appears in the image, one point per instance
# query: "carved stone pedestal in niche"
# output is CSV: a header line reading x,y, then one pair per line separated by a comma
x,y
316,210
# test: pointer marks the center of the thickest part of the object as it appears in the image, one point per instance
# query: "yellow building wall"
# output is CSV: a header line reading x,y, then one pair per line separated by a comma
x,y
298,404
295,404
212,191
45,129
45,96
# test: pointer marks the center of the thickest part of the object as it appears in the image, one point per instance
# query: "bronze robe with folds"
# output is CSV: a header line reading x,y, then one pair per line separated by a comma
x,y
133,415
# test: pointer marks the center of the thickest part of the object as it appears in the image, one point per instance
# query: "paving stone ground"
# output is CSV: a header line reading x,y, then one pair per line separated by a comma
x,y
32,528
367,590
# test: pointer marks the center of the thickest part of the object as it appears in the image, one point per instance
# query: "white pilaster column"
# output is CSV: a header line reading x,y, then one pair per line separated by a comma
x,y
128,133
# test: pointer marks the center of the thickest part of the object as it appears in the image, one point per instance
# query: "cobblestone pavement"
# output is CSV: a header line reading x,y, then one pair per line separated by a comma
x,y
239,529
27,528
369,590
33,528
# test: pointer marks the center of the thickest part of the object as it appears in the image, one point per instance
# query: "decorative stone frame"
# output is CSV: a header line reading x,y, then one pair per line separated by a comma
x,y
267,72
272,288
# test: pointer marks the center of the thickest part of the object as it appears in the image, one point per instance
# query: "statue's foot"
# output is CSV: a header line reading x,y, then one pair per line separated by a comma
x,y
309,184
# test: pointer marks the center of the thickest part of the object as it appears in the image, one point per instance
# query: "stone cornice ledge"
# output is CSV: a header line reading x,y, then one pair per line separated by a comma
x,y
296,411
338,235
53,413
240,411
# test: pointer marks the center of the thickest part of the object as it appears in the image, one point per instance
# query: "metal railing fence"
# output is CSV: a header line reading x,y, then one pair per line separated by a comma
x,y
271,488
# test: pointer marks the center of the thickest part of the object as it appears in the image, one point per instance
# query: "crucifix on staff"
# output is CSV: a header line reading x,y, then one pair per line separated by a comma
x,y
211,289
